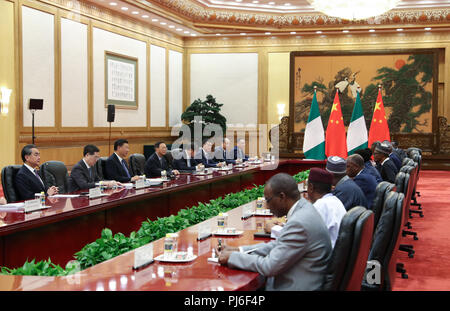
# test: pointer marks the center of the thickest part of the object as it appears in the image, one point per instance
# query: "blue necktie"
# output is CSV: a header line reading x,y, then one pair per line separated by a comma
x,y
125,168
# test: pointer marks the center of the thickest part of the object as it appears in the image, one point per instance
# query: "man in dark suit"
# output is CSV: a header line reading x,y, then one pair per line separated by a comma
x,y
298,258
83,174
239,150
367,183
393,156
186,162
366,154
385,166
27,181
116,167
158,162
344,187
400,152
205,156
223,153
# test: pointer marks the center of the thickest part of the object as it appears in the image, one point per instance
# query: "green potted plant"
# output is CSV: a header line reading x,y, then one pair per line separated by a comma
x,y
204,112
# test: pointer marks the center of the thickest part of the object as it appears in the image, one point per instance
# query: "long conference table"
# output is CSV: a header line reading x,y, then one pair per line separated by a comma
x,y
70,223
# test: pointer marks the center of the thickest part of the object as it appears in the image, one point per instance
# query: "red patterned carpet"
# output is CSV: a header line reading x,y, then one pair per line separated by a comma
x,y
429,269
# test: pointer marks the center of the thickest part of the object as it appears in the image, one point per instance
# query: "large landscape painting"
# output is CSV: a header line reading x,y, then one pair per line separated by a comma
x,y
407,81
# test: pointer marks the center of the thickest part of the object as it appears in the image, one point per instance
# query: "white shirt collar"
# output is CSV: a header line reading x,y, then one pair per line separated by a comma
x,y
358,173
384,160
120,159
29,167
187,154
87,165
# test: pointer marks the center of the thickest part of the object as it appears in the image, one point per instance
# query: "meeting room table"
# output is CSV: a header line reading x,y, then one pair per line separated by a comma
x,y
64,228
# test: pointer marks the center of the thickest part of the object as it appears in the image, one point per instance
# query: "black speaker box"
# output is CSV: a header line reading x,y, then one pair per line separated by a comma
x,y
111,113
36,104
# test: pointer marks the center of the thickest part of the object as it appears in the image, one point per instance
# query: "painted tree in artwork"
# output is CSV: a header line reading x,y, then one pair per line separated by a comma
x,y
405,92
328,92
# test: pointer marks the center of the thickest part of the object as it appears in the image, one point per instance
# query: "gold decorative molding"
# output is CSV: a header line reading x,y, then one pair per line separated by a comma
x,y
339,41
197,13
87,9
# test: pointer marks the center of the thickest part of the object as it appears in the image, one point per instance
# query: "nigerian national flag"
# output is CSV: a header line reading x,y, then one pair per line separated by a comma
x,y
314,139
357,130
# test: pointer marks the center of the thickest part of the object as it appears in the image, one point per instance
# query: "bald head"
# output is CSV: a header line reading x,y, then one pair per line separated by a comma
x,y
281,192
356,159
285,183
355,163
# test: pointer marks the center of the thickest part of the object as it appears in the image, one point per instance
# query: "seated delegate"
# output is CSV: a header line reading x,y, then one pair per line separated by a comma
x,y
28,182
84,175
298,259
158,162
116,168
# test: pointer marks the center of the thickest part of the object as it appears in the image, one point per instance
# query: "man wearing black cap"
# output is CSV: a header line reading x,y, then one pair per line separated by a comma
x,y
385,166
344,187
392,155
329,206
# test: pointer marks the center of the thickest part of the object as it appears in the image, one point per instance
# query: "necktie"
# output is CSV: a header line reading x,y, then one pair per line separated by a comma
x,y
125,168
38,177
90,173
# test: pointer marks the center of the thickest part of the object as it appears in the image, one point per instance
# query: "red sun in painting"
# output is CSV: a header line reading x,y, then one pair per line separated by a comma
x,y
399,63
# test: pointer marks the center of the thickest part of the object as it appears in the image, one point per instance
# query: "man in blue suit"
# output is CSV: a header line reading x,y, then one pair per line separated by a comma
x,y
369,168
205,156
27,181
344,187
116,167
367,183
186,162
239,150
223,153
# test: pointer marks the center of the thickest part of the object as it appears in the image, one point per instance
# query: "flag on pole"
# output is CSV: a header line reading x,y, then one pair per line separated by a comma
x,y
314,139
357,130
335,139
379,129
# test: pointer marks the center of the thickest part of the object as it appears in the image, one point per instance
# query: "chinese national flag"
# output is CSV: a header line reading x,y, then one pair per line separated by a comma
x,y
379,129
335,139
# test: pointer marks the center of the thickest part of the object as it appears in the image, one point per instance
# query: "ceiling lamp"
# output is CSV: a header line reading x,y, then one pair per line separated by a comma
x,y
353,9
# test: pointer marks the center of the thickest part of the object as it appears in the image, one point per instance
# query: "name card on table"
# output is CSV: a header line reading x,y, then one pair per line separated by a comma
x,y
33,205
140,183
143,256
95,193
204,230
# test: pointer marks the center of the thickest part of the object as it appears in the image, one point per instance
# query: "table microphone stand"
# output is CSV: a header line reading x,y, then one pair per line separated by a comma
x,y
32,126
109,139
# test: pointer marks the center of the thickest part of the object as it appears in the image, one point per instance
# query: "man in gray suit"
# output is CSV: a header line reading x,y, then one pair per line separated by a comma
x,y
298,259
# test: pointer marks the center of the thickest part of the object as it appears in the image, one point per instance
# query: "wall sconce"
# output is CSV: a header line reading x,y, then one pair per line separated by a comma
x,y
4,100
280,110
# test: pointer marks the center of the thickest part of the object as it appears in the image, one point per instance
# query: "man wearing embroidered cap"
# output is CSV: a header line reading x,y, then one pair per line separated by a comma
x,y
385,166
344,187
329,206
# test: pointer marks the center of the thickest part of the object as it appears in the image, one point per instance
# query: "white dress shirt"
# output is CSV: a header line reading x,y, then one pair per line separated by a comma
x,y
32,170
332,211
